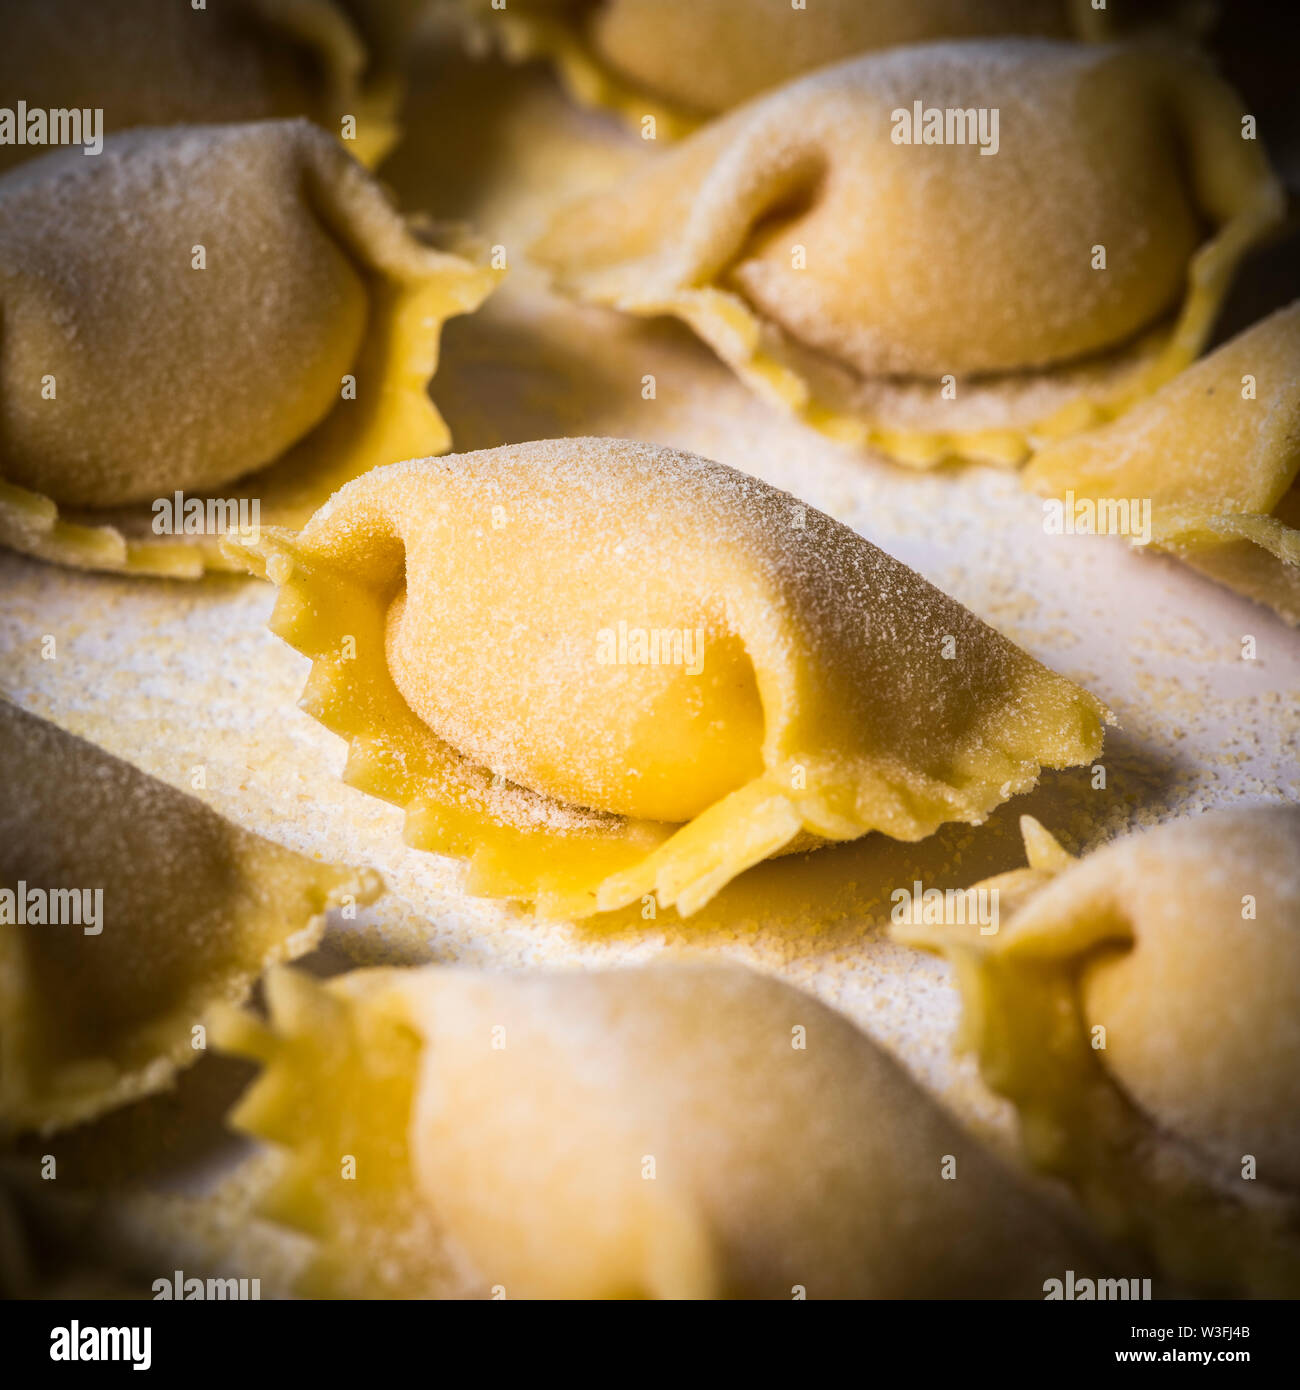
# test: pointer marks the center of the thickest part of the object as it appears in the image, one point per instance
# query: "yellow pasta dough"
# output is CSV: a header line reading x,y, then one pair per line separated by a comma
x,y
127,910
234,312
1214,454
682,61
689,1130
164,62
1141,1008
1059,250
602,670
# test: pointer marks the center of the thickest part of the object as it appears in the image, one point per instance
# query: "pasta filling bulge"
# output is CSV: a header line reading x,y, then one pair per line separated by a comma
x,y
493,1132
484,634
791,237
1109,1011
344,317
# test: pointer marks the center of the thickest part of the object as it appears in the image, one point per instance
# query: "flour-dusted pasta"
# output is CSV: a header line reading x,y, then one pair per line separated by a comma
x,y
944,249
1141,1008
681,62
1213,455
166,62
684,1130
127,910
202,325
603,670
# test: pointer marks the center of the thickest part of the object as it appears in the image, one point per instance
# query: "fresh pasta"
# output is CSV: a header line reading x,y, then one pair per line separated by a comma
x,y
127,911
602,670
683,1130
1020,253
680,62
236,313
1141,1008
160,62
1214,455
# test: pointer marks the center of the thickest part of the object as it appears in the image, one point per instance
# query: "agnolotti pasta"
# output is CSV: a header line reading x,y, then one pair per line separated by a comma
x,y
230,312
948,249
127,910
687,1130
167,62
1141,1008
1215,455
602,670
682,62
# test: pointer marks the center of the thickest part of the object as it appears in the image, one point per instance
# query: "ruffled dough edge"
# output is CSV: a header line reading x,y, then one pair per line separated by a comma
x,y
530,36
761,355
1087,392
1022,1018
1255,554
339,1066
523,37
352,89
91,1087
1252,553
606,862
341,1071
397,421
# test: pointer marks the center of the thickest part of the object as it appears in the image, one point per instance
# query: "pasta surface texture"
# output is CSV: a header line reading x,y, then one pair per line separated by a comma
x,y
100,1008
602,670
681,62
1141,1009
158,62
684,1130
1215,453
958,296
230,310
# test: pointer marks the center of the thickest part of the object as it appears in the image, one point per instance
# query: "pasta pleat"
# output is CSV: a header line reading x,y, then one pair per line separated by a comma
x,y
106,1004
687,1130
603,670
1141,1009
1055,253
236,314
1214,454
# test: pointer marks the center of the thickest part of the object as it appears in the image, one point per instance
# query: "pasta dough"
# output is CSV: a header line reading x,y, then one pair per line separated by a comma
x,y
1142,1010
200,307
100,996
1216,454
602,670
920,297
675,1131
681,61
163,62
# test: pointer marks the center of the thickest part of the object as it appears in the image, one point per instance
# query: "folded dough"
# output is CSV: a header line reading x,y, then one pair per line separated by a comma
x,y
1142,1011
690,1130
164,62
925,299
192,910
1216,453
302,346
602,670
682,61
